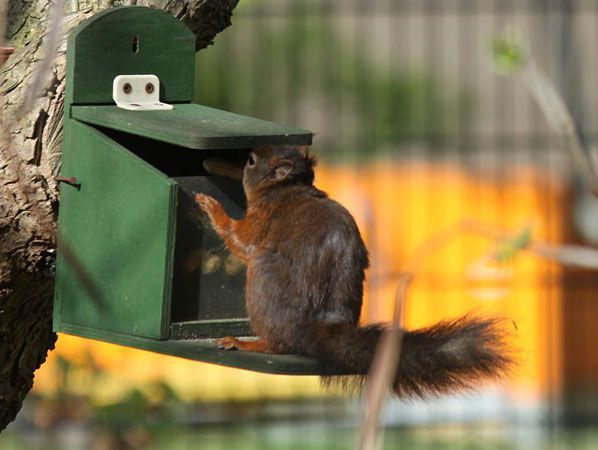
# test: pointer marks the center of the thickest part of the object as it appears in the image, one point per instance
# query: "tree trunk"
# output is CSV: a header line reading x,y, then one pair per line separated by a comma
x,y
29,162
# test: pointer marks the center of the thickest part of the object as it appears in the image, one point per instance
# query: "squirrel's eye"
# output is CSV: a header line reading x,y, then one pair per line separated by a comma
x,y
251,160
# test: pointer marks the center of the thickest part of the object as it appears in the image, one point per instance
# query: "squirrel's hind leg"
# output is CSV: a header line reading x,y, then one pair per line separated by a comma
x,y
231,343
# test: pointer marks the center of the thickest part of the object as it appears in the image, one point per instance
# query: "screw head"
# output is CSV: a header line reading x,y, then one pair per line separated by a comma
x,y
149,88
127,88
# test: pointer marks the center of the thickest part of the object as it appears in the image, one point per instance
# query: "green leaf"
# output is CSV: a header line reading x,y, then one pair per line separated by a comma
x,y
509,249
508,52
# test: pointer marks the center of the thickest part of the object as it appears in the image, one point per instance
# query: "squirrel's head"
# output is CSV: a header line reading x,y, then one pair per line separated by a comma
x,y
269,166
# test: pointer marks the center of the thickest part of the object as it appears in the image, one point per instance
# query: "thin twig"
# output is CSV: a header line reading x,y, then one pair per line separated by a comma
x,y
82,274
382,372
10,159
388,352
3,27
50,46
513,56
3,21
567,255
561,120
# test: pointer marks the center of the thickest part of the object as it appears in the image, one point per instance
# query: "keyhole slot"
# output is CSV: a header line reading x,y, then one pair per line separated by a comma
x,y
135,46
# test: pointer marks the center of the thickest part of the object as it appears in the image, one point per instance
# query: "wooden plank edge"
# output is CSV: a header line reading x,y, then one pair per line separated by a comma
x,y
204,350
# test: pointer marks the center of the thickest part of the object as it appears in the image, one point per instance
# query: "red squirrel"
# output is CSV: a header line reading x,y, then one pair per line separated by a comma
x,y
306,265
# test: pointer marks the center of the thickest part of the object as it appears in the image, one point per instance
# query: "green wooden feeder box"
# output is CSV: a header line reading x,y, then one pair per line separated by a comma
x,y
137,263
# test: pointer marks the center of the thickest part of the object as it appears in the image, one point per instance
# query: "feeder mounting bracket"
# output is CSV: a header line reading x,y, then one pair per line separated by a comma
x,y
138,93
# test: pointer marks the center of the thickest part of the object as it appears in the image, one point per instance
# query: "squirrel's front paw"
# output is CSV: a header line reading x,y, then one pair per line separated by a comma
x,y
227,343
206,202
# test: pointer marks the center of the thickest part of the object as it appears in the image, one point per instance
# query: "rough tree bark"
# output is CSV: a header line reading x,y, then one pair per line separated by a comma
x,y
29,161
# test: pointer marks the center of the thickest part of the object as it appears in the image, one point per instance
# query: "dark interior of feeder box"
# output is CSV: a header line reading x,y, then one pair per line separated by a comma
x,y
208,282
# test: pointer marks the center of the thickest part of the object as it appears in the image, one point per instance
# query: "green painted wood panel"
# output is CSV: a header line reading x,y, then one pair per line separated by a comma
x,y
206,350
102,47
120,227
193,126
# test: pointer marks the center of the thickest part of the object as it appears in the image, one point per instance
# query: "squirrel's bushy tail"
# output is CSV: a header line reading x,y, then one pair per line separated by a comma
x,y
447,357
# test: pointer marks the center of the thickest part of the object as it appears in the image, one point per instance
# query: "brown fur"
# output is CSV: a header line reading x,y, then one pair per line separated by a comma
x,y
306,264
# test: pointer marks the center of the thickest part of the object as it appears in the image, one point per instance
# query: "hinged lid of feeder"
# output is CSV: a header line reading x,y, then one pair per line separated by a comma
x,y
193,126
138,40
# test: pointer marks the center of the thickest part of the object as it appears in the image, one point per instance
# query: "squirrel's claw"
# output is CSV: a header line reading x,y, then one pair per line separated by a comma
x,y
227,343
205,202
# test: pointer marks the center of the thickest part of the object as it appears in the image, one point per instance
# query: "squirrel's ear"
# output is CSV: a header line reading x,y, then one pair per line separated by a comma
x,y
282,170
